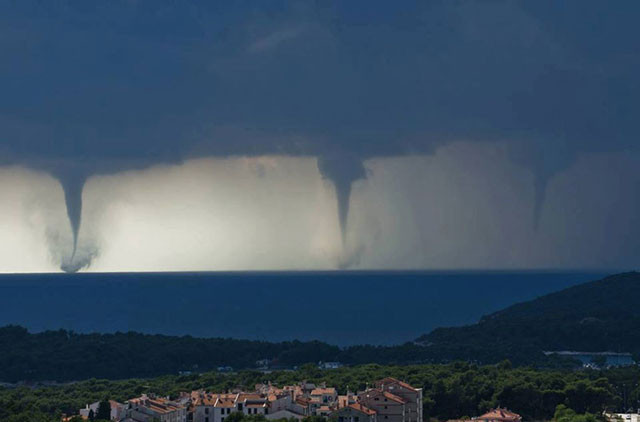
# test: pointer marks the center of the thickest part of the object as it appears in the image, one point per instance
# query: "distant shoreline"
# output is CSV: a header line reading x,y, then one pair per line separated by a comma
x,y
271,306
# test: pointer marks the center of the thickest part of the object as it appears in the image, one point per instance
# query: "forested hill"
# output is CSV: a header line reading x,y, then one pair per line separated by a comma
x,y
597,316
64,355
602,315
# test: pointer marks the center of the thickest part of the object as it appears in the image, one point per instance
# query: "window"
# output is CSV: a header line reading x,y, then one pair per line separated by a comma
x,y
340,419
386,417
206,410
240,407
222,420
356,419
385,407
206,419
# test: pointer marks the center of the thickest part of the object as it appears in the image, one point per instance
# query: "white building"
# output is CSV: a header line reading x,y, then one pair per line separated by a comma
x,y
285,414
622,417
217,407
117,410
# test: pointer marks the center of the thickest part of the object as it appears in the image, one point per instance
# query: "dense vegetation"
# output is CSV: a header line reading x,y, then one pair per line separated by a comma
x,y
64,355
596,316
564,414
450,391
67,356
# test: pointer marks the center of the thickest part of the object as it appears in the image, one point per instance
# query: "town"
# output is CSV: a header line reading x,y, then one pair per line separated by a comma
x,y
387,400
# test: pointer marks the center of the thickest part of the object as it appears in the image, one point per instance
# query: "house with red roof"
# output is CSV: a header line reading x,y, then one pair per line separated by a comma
x,y
499,415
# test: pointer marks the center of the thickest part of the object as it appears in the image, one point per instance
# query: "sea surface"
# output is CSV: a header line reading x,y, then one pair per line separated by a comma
x,y
341,308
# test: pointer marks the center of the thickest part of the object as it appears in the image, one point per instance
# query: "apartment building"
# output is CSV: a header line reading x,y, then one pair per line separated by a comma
x,y
148,409
209,407
411,395
213,407
388,407
355,412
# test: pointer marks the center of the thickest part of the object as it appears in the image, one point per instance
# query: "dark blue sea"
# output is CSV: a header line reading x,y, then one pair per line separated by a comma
x,y
337,307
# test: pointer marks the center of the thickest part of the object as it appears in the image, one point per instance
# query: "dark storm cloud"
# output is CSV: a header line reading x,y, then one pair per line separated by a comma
x,y
97,87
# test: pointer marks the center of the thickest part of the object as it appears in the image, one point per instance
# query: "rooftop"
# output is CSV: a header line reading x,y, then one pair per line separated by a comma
x,y
323,391
499,414
391,380
361,408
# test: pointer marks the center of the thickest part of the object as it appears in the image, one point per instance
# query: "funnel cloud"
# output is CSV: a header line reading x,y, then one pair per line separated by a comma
x,y
99,89
72,186
342,172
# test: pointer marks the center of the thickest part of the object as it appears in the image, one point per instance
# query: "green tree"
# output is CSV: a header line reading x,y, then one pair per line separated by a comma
x,y
565,414
104,411
235,417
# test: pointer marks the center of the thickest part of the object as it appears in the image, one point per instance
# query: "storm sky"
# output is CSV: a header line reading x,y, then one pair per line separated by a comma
x,y
162,135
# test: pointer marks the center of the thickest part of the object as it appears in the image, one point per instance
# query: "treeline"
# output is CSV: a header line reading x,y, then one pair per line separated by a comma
x,y
64,355
596,316
450,391
67,356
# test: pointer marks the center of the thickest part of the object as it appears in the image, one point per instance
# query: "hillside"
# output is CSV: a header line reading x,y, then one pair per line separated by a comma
x,y
449,391
602,315
595,316
64,355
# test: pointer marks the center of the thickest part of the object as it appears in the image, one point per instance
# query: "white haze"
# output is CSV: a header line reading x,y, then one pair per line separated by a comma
x,y
33,221
466,206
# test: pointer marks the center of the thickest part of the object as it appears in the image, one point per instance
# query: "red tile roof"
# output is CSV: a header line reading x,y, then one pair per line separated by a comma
x,y
393,397
391,380
361,408
321,391
376,392
499,415
224,402
158,405
249,396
